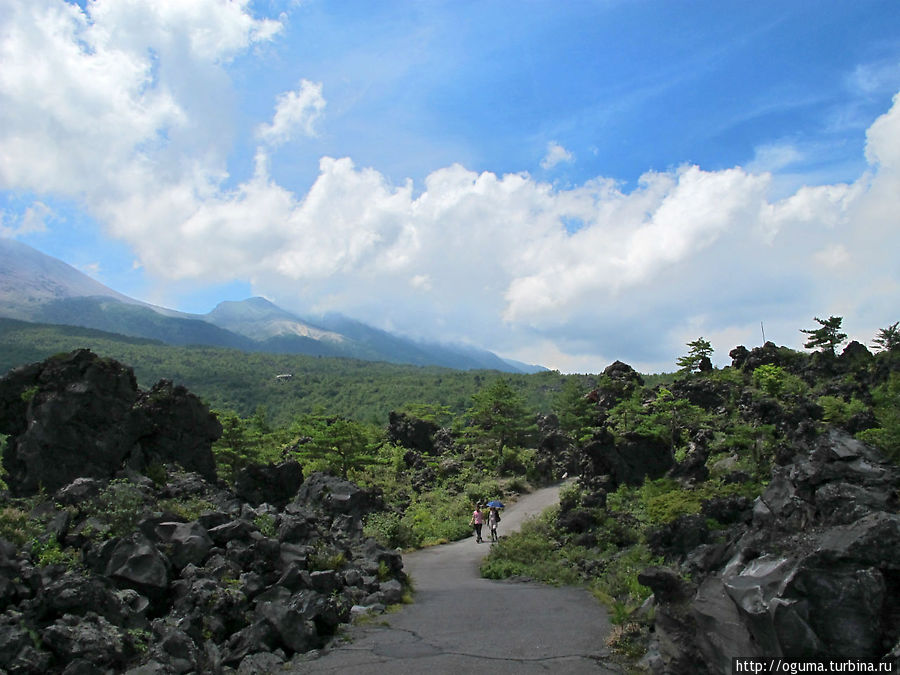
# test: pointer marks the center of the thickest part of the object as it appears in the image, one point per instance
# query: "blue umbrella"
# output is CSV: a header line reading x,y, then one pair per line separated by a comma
x,y
496,504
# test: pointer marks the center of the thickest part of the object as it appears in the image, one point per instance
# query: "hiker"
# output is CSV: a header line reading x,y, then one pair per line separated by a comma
x,y
493,520
477,521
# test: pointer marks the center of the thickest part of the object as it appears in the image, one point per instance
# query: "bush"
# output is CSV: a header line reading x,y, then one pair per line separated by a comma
x,y
837,411
618,586
388,529
534,552
16,526
120,505
777,382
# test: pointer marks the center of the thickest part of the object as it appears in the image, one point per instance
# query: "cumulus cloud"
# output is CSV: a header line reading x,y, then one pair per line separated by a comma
x,y
295,112
34,219
556,154
122,110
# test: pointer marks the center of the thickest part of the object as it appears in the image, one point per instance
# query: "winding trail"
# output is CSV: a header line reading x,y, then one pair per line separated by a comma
x,y
461,623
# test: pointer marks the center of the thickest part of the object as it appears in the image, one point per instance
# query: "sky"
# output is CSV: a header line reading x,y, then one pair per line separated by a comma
x,y
565,184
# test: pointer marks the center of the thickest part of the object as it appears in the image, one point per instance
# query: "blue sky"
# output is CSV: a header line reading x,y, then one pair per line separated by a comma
x,y
563,183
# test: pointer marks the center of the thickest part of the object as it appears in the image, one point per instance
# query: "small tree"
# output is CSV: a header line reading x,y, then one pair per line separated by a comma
x,y
697,358
888,339
498,413
342,444
675,416
827,337
233,450
576,412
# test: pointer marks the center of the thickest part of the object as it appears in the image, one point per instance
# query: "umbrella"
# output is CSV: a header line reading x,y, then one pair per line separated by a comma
x,y
496,504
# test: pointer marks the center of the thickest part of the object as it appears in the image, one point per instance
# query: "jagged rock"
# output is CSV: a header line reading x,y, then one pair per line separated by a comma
x,y
90,637
136,563
275,484
628,461
187,542
79,491
676,539
201,596
411,433
555,453
618,382
335,496
855,355
815,574
78,415
261,663
707,393
291,616
176,651
178,428
768,354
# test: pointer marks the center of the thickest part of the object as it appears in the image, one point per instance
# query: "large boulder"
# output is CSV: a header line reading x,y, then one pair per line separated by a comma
x,y
79,415
335,496
67,417
411,432
815,574
274,484
627,461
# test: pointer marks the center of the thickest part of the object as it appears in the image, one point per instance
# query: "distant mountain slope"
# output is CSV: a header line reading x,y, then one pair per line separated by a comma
x,y
259,319
39,288
29,279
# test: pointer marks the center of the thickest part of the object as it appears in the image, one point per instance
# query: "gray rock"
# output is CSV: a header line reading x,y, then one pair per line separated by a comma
x,y
136,563
188,542
90,637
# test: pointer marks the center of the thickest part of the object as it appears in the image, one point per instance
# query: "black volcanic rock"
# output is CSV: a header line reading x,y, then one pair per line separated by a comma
x,y
78,415
815,575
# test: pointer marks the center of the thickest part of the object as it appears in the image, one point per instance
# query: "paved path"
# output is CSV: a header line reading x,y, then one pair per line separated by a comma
x,y
461,623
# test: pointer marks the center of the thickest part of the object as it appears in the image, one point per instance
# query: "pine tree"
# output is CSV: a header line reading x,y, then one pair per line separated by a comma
x,y
827,337
888,339
697,358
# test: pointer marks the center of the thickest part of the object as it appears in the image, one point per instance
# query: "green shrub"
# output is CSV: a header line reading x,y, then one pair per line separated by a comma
x,y
16,526
325,558
777,382
47,551
189,508
437,517
837,411
534,552
265,523
120,505
618,586
389,529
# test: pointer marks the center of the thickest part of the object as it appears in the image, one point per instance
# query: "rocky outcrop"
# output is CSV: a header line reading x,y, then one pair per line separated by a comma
x,y
814,574
618,381
78,415
230,587
411,433
269,483
172,575
627,461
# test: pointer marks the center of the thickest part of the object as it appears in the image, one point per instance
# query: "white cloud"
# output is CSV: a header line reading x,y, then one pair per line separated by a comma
x,y
295,112
123,111
556,154
774,157
34,219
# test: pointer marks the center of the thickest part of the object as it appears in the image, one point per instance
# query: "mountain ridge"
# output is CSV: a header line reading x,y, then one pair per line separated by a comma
x,y
39,288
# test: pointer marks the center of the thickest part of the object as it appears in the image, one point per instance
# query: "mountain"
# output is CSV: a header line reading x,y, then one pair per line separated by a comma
x,y
30,279
41,289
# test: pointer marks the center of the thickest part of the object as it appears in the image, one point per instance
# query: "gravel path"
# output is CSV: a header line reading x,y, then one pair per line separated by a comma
x,y
461,623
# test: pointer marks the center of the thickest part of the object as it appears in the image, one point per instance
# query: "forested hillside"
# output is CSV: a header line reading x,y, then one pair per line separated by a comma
x,y
229,379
